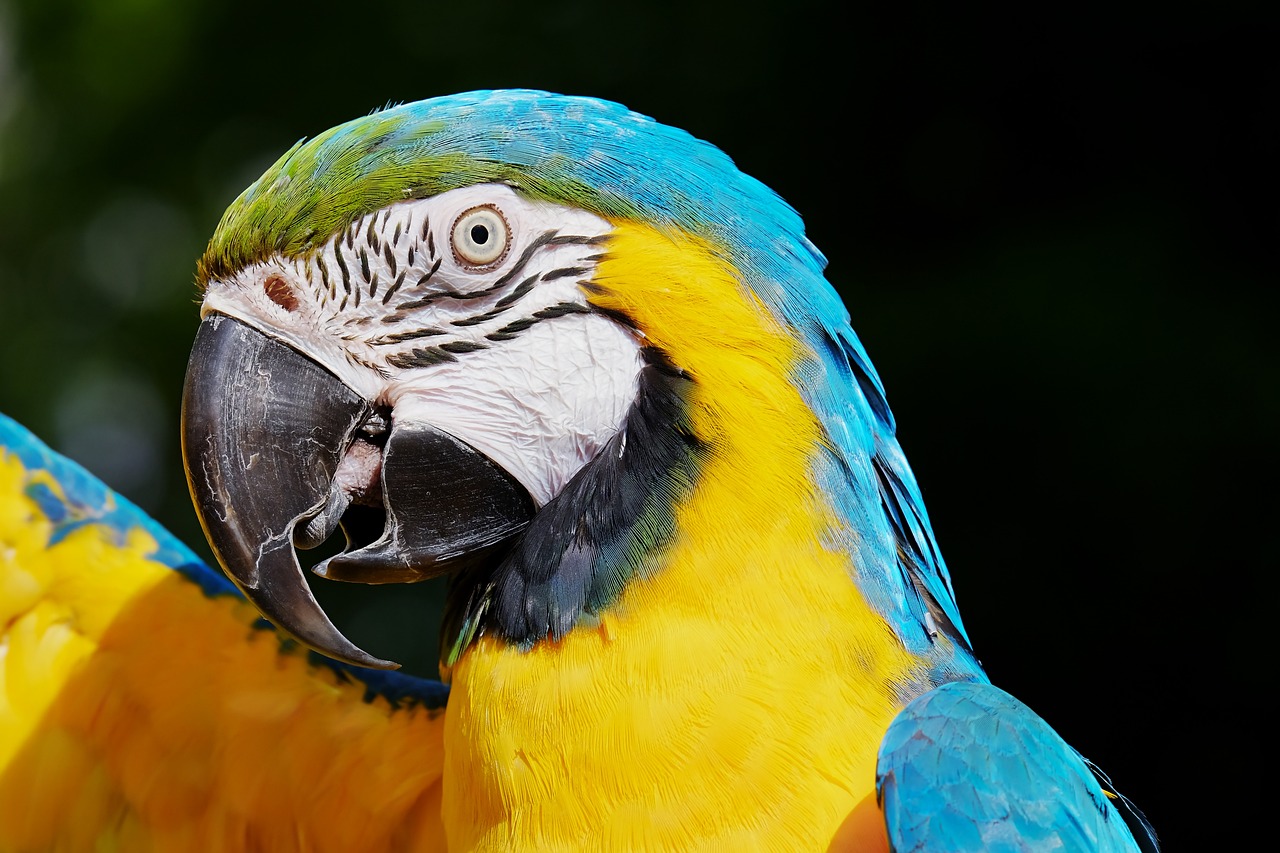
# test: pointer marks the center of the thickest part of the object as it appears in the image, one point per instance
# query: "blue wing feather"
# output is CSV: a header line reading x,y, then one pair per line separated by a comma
x,y
966,767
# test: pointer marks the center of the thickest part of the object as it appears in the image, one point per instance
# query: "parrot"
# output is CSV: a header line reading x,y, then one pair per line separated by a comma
x,y
578,363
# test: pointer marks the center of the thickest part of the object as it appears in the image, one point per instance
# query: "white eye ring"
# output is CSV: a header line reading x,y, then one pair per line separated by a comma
x,y
481,236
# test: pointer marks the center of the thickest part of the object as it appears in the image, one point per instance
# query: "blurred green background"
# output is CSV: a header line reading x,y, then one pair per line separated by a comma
x,y
1052,233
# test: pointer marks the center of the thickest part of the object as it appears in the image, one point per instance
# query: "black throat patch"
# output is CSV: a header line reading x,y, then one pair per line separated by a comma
x,y
586,543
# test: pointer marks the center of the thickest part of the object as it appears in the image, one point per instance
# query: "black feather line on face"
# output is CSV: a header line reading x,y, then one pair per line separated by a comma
x,y
342,267
586,543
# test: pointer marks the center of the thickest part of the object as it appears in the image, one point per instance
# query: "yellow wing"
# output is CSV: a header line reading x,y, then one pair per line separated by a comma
x,y
145,706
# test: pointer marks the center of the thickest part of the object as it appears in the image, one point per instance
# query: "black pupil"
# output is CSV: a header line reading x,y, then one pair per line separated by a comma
x,y
479,235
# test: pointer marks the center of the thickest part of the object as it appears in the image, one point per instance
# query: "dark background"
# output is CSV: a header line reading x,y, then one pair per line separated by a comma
x,y
1054,233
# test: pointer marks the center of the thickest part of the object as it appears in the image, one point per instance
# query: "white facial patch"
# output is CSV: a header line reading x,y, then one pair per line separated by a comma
x,y
465,311
542,406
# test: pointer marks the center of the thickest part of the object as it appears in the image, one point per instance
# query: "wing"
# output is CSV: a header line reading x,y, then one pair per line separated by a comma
x,y
966,767
145,705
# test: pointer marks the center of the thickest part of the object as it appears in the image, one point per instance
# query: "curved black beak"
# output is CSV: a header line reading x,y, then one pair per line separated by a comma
x,y
269,439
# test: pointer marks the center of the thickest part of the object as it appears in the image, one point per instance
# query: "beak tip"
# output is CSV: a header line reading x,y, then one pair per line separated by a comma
x,y
357,656
324,638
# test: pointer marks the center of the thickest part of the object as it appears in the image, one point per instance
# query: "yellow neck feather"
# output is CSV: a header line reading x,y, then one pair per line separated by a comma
x,y
731,699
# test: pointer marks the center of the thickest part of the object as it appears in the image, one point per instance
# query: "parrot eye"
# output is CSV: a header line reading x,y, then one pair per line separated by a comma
x,y
480,236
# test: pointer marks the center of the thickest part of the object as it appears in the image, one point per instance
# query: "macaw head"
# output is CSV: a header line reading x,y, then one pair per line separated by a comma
x,y
480,334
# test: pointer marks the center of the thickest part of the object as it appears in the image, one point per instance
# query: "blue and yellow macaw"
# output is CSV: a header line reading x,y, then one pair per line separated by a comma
x,y
580,363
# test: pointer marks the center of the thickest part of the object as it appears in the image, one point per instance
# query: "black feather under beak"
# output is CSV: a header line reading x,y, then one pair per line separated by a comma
x,y
278,452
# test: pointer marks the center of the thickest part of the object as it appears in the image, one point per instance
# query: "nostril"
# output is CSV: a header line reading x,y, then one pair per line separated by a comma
x,y
279,292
